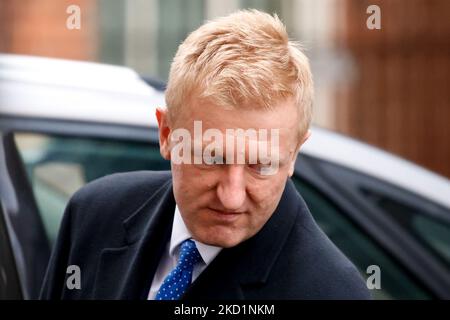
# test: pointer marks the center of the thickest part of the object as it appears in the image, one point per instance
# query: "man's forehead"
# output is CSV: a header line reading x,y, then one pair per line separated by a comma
x,y
207,110
238,146
255,136
234,123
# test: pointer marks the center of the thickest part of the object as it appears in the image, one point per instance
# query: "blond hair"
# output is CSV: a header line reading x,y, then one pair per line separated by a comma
x,y
242,60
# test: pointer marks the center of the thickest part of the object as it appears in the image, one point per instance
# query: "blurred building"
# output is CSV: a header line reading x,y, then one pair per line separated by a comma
x,y
39,28
387,87
399,97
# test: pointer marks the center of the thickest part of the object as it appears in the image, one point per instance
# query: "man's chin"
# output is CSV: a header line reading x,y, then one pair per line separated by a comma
x,y
219,238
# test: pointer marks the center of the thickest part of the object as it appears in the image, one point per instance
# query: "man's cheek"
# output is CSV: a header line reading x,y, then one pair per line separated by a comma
x,y
264,190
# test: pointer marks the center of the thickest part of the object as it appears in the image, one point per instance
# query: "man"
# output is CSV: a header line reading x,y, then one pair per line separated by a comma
x,y
226,222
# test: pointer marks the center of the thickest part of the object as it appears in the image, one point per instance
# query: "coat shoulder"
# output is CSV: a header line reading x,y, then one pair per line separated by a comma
x,y
123,185
104,203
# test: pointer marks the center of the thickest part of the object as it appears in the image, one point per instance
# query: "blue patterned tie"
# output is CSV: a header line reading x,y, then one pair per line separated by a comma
x,y
176,283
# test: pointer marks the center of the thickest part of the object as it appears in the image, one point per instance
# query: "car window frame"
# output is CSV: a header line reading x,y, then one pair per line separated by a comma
x,y
9,272
401,246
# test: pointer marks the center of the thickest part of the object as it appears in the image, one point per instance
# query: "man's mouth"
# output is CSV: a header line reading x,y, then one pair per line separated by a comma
x,y
226,215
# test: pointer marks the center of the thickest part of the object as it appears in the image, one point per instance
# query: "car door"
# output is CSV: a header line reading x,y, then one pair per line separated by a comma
x,y
10,285
46,161
31,247
339,201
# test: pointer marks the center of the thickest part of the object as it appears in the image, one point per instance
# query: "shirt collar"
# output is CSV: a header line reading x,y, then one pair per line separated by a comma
x,y
180,233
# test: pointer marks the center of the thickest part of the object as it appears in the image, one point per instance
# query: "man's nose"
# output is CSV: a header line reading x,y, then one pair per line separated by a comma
x,y
231,189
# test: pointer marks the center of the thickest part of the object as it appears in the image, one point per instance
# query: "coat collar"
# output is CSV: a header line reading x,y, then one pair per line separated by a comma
x,y
126,272
153,213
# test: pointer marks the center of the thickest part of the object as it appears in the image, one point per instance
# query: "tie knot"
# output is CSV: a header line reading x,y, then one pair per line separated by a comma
x,y
189,254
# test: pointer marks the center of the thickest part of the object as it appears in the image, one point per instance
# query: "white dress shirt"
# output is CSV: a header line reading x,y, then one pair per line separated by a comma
x,y
170,255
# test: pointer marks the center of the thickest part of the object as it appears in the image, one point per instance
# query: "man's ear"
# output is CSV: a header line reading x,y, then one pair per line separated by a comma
x,y
297,150
162,116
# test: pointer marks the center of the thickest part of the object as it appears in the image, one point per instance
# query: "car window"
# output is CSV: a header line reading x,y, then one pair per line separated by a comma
x,y
59,165
359,247
421,220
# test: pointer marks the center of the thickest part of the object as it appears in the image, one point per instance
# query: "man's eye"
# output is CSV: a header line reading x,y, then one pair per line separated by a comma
x,y
259,168
213,160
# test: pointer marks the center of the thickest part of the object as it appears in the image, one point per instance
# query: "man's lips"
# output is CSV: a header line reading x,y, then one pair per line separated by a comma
x,y
226,215
224,212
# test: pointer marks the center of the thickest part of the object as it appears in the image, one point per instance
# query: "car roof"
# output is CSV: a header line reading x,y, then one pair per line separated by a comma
x,y
359,156
100,93
90,91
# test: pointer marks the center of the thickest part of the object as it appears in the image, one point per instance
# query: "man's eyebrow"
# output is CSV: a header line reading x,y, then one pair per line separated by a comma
x,y
259,160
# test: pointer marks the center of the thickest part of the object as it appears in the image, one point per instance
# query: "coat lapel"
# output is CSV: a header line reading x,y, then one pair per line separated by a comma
x,y
126,272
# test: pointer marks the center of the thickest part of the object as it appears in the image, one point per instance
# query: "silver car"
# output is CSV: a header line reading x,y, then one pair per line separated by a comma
x,y
65,123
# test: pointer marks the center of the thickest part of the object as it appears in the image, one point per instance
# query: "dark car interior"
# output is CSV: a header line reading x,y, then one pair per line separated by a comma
x,y
9,279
